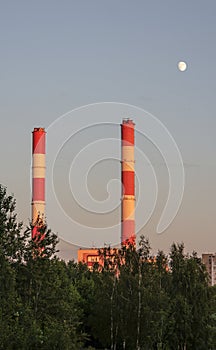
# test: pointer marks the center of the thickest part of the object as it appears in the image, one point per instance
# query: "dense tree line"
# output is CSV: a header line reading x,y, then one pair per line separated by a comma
x,y
133,301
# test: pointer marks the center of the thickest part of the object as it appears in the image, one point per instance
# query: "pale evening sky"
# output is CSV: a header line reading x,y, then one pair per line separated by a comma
x,y
59,55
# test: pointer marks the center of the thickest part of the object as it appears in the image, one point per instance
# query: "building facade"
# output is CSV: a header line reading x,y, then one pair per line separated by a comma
x,y
209,260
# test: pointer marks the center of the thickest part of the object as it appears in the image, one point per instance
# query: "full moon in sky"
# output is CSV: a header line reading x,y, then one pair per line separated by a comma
x,y
182,66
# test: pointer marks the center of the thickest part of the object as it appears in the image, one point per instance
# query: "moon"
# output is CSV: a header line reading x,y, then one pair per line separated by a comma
x,y
182,66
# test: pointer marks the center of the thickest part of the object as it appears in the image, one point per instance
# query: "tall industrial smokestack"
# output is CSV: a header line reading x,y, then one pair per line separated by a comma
x,y
128,183
38,178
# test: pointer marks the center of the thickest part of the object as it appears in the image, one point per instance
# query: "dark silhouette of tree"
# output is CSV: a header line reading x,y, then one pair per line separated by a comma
x,y
133,301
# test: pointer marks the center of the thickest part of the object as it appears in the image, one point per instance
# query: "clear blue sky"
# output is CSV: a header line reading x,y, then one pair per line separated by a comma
x,y
59,55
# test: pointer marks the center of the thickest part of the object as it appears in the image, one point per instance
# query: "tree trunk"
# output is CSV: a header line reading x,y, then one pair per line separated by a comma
x,y
111,315
139,308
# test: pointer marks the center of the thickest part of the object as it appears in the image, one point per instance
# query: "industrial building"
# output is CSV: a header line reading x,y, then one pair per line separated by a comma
x,y
38,179
90,256
128,183
209,260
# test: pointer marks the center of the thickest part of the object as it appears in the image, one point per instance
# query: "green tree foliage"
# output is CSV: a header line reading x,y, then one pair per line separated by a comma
x,y
212,317
11,248
146,302
11,239
40,306
8,304
133,301
46,290
190,300
81,277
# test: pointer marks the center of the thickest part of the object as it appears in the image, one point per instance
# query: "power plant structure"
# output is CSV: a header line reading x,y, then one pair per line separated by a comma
x,y
38,179
128,237
128,183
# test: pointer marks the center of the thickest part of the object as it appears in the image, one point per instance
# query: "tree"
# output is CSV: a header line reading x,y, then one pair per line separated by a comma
x,y
48,296
12,241
12,244
212,317
190,301
8,304
133,301
82,279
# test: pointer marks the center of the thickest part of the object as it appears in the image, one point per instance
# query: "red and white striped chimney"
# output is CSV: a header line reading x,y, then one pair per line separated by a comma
x,y
128,183
38,177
